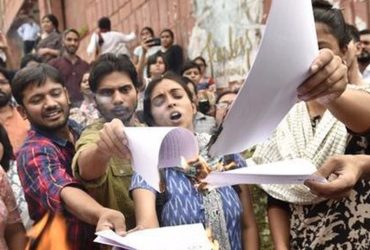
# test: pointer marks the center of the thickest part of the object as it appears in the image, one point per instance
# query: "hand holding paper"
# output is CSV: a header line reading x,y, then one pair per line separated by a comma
x,y
153,147
283,172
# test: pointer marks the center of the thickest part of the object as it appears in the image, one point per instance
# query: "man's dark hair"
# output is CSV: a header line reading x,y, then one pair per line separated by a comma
x,y
7,148
67,31
324,13
35,75
364,32
353,33
7,74
29,58
189,65
104,24
109,63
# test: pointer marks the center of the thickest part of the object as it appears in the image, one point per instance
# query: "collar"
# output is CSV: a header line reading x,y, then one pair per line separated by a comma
x,y
75,128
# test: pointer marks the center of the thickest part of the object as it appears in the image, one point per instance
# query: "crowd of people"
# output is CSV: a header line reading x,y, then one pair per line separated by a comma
x,y
64,153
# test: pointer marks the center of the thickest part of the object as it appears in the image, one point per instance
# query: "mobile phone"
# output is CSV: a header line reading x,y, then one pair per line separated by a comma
x,y
154,42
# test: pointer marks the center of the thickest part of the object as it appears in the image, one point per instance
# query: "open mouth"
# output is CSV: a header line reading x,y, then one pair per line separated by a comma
x,y
52,114
175,116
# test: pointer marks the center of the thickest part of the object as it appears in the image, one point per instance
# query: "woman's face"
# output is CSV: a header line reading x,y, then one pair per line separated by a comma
x,y
158,68
193,74
145,35
171,106
328,40
46,25
166,39
201,65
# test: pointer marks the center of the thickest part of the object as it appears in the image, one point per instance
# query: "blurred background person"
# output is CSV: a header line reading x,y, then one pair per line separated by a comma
x,y
28,32
107,41
50,42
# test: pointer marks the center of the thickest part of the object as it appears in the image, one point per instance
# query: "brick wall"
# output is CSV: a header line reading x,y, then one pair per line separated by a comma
x,y
131,15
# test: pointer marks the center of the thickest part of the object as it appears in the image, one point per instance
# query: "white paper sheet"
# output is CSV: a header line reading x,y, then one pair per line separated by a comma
x,y
283,172
184,237
287,50
152,147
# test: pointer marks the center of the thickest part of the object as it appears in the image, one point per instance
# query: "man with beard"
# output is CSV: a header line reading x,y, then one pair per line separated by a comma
x,y
44,160
14,124
102,160
71,66
364,57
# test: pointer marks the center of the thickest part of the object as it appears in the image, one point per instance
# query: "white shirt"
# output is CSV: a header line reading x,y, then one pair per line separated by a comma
x,y
114,42
28,31
366,74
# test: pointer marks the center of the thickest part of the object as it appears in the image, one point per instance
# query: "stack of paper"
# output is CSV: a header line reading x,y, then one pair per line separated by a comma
x,y
184,237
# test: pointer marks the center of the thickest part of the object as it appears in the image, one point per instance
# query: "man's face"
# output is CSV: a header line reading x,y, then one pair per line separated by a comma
x,y
46,106
365,42
116,97
71,43
5,91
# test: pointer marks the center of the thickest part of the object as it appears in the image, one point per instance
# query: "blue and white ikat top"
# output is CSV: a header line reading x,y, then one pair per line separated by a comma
x,y
184,204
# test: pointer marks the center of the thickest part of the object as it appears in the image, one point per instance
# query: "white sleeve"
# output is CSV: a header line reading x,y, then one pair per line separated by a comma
x,y
127,37
91,48
20,31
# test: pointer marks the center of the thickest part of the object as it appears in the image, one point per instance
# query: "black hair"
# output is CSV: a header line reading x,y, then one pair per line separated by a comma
x,y
353,33
227,92
7,149
71,30
149,29
35,75
170,32
53,19
189,65
364,32
188,80
109,63
7,74
153,60
147,115
104,23
202,59
324,13
29,58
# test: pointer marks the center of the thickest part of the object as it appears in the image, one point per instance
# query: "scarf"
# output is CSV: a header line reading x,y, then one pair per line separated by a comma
x,y
295,138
